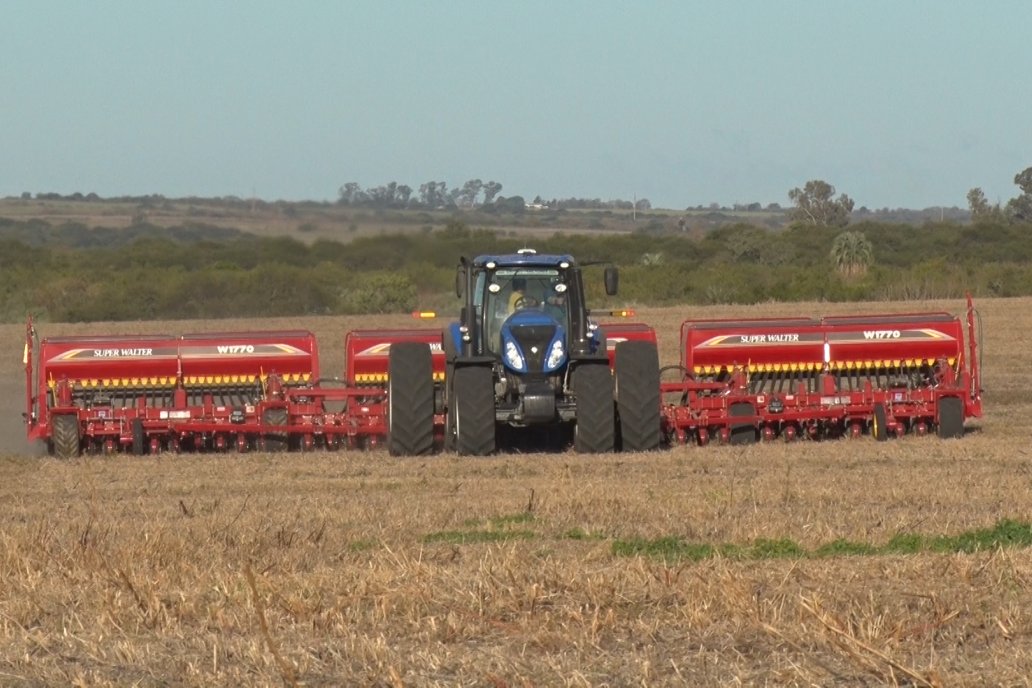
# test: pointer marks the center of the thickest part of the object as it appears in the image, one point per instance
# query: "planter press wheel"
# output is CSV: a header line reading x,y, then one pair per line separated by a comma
x,y
880,423
64,436
951,418
275,441
139,437
742,433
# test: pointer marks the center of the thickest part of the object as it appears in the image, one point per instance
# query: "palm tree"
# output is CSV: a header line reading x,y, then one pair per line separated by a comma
x,y
852,253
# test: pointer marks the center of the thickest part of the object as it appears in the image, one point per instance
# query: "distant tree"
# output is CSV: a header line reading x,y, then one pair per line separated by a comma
x,y
643,204
977,203
404,194
816,205
512,204
491,189
1024,180
352,194
852,253
381,196
470,192
433,194
1020,208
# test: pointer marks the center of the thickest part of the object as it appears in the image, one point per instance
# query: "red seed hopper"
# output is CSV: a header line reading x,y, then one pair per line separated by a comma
x,y
743,380
208,392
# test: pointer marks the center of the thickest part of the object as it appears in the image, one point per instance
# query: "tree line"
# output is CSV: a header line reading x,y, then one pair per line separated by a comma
x,y
475,193
157,273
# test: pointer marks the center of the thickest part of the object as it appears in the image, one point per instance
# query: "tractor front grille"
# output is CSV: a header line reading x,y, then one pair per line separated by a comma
x,y
534,341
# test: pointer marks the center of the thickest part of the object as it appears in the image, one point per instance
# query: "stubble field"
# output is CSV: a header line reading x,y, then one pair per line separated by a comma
x,y
526,570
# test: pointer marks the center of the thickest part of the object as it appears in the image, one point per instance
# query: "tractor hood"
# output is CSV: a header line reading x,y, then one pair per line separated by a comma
x,y
533,342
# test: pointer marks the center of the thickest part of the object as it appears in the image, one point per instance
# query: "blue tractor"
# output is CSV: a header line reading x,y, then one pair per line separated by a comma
x,y
525,359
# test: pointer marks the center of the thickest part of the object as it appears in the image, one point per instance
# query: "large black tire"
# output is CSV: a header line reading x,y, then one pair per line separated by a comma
x,y
637,395
410,399
951,418
880,423
450,354
595,429
139,437
472,410
275,441
64,436
742,433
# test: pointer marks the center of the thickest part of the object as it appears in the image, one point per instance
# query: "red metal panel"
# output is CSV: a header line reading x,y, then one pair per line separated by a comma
x,y
285,353
734,343
894,337
77,358
616,332
367,352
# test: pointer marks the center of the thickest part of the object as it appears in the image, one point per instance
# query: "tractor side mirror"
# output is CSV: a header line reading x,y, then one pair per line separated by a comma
x,y
612,279
460,281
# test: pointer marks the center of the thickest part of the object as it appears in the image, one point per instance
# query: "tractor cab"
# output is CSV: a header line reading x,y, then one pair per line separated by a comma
x,y
517,298
523,309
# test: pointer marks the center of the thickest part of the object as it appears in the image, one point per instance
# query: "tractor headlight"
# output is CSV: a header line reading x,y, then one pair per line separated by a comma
x,y
556,356
513,356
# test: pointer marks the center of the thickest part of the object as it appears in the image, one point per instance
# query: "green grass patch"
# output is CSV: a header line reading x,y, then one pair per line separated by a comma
x,y
1005,533
581,534
512,519
362,545
669,548
776,549
465,537
498,529
844,548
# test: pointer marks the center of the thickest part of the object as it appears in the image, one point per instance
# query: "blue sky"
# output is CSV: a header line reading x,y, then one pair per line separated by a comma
x,y
898,104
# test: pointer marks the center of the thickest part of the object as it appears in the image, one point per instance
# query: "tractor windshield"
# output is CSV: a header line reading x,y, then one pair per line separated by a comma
x,y
512,289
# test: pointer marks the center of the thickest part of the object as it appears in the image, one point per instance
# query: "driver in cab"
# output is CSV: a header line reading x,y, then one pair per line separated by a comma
x,y
519,298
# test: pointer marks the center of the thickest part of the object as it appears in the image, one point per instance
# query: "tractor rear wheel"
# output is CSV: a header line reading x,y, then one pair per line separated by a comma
x,y
471,413
275,441
951,418
742,433
410,399
880,423
637,395
65,436
595,429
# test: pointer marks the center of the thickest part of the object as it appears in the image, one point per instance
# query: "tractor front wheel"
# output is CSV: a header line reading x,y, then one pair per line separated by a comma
x,y
595,429
471,414
637,395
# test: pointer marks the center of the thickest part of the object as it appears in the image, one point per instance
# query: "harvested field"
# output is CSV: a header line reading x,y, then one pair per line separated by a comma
x,y
529,570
